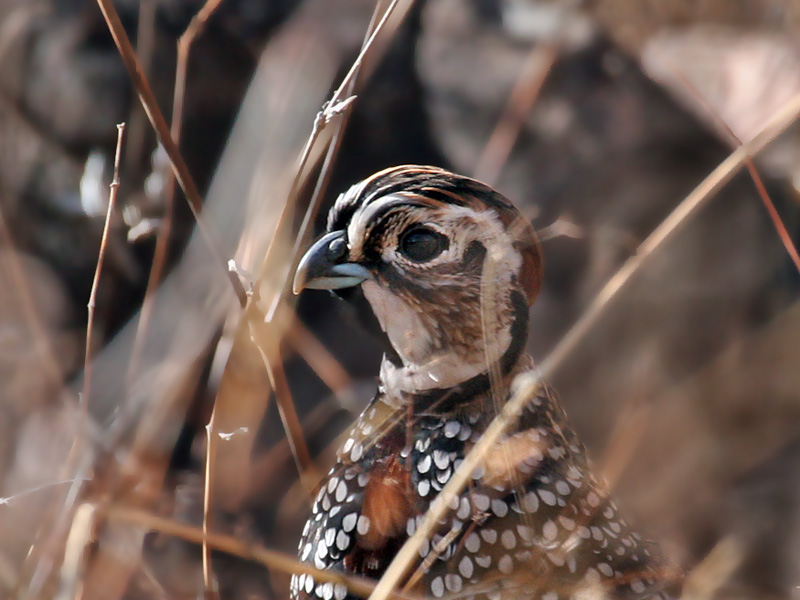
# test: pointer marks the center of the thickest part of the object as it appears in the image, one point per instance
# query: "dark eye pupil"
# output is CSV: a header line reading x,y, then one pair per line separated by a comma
x,y
421,244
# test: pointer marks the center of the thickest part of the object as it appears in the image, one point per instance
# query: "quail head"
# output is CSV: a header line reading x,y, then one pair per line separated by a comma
x,y
449,268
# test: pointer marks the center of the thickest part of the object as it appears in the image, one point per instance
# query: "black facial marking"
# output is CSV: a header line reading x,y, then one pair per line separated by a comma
x,y
474,256
403,284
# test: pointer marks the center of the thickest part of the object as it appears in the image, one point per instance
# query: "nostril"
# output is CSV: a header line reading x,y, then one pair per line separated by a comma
x,y
337,249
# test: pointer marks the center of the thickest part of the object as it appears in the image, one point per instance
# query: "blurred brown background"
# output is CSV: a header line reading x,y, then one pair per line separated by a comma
x,y
687,392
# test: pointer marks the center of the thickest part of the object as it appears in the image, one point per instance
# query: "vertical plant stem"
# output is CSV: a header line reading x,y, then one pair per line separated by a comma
x,y
112,198
211,447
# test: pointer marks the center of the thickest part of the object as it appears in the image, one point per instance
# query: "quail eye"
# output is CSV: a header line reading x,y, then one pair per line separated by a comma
x,y
421,244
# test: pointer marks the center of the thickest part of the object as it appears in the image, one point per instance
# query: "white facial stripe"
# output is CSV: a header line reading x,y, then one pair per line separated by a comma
x,y
362,220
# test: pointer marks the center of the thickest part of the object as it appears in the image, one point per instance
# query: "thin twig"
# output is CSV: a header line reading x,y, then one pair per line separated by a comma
x,y
182,174
317,356
27,306
736,142
112,198
529,383
283,396
252,552
53,523
534,72
137,120
211,449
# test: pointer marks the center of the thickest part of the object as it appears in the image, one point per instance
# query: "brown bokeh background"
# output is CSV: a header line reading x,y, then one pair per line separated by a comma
x,y
686,391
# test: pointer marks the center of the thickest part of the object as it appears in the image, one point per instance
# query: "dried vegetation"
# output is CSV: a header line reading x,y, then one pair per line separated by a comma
x,y
668,320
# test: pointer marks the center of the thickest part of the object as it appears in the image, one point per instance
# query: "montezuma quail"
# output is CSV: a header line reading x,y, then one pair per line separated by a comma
x,y
430,249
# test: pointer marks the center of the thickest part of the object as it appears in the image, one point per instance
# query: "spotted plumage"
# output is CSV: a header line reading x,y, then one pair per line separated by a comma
x,y
449,268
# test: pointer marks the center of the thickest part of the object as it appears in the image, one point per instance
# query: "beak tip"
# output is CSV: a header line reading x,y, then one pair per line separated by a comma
x,y
296,289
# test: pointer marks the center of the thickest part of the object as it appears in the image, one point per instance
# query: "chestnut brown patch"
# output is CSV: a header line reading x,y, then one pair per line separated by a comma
x,y
387,504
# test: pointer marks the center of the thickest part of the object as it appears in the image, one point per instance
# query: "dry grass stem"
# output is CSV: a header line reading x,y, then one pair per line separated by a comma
x,y
317,356
433,556
73,566
534,73
159,124
688,206
137,121
27,306
527,385
736,142
211,450
716,568
625,439
112,198
291,423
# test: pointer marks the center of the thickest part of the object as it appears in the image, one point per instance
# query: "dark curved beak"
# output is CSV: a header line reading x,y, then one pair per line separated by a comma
x,y
324,266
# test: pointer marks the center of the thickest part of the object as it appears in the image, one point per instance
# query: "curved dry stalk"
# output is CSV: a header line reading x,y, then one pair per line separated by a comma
x,y
527,385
